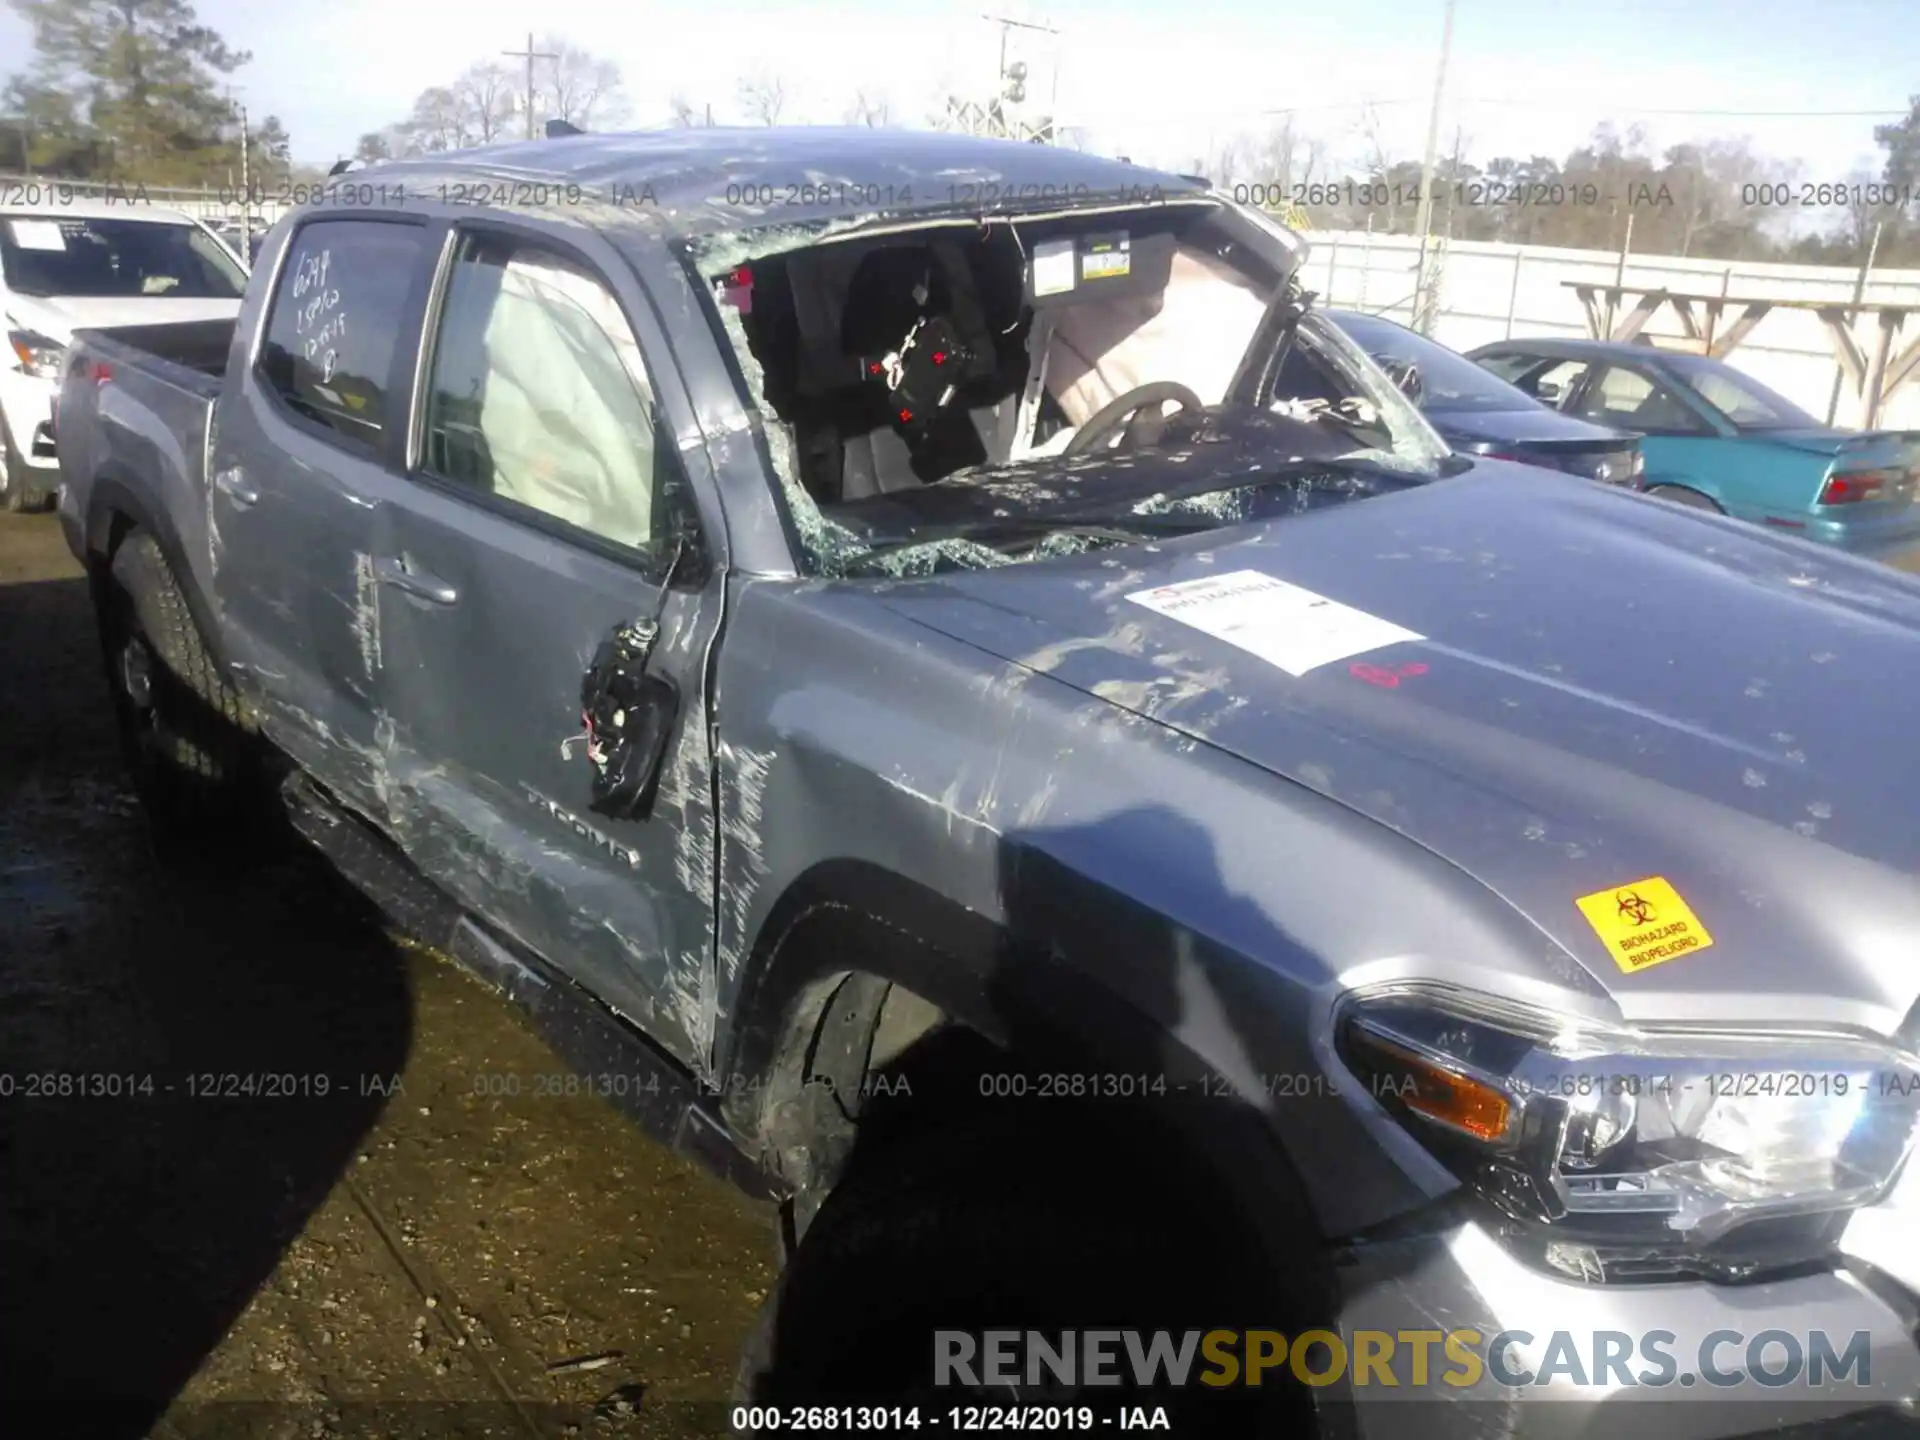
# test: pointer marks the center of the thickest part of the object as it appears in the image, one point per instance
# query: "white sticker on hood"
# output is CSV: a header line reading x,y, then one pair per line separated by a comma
x,y
38,235
1281,623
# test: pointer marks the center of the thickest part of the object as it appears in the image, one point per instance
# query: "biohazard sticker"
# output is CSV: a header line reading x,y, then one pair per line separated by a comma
x,y
1644,924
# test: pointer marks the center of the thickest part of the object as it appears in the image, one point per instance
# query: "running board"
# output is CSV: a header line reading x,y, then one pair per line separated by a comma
x,y
654,1091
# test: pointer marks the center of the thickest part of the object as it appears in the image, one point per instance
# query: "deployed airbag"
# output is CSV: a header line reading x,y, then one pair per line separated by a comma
x,y
1195,331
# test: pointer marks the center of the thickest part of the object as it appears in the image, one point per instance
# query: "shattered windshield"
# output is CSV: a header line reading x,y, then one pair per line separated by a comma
x,y
1011,388
1449,383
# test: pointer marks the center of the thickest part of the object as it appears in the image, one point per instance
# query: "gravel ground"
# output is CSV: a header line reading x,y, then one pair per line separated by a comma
x,y
405,1254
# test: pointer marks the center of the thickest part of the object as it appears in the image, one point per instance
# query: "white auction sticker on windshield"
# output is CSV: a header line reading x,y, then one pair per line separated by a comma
x,y
38,235
1053,267
1284,625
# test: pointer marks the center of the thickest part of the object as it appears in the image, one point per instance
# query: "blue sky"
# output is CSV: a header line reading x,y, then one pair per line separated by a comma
x,y
1159,81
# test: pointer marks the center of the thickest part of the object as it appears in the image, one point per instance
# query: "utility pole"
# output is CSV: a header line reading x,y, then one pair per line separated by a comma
x,y
530,55
1003,90
246,193
1425,216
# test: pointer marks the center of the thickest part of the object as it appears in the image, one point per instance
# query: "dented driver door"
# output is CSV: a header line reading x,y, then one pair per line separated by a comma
x,y
549,513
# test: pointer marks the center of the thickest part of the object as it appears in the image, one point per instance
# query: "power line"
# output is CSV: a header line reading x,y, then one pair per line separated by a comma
x,y
1608,109
1730,114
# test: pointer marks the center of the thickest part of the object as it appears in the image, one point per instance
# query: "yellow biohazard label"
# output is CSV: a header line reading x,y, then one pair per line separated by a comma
x,y
1644,924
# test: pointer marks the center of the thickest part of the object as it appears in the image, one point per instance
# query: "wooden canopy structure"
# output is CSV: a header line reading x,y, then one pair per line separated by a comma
x,y
1874,377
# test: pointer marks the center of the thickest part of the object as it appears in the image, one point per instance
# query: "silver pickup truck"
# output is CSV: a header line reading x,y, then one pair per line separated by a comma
x,y
932,653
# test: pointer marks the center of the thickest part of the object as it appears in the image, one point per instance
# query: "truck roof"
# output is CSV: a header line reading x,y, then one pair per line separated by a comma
x,y
711,178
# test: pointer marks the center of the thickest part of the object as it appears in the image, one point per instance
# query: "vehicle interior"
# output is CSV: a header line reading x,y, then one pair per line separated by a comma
x,y
99,258
903,360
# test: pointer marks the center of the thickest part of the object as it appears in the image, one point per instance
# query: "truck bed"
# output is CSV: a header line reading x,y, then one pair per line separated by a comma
x,y
190,353
136,405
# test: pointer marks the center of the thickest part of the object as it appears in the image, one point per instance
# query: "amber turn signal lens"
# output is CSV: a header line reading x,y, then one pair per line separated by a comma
x,y
1459,1101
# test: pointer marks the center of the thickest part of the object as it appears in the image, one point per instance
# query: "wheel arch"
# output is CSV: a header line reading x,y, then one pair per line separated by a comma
x,y
1654,485
115,508
857,965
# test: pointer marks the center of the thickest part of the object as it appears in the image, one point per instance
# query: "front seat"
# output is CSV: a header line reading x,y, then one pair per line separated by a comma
x,y
876,463
880,309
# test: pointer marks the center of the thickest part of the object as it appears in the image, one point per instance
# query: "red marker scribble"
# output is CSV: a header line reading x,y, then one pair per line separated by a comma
x,y
1386,675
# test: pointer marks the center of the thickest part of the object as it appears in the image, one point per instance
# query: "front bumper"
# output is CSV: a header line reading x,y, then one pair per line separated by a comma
x,y
1554,1378
26,403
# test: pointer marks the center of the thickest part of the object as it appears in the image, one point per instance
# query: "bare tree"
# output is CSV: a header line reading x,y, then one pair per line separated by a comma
x,y
763,96
1378,162
684,112
1232,160
438,122
1861,216
873,111
1286,155
485,94
1076,137
581,88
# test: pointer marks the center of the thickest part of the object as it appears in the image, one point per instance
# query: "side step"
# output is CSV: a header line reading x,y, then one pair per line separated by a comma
x,y
662,1096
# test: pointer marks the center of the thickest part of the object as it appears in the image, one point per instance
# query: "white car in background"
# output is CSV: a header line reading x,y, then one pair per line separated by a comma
x,y
79,266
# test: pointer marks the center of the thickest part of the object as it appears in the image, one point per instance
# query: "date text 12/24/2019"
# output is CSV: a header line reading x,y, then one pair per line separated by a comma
x,y
825,195
907,1420
197,1085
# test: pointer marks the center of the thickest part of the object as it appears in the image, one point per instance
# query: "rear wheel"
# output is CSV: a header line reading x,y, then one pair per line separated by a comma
x,y
197,759
975,1226
1680,495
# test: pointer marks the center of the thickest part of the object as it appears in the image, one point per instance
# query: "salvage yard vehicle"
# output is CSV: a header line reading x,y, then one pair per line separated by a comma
x,y
1477,413
73,264
744,594
1717,439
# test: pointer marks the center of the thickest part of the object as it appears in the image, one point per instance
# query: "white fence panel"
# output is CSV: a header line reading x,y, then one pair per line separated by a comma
x,y
1491,291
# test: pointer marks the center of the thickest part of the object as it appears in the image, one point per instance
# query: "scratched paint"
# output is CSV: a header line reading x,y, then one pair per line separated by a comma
x,y
686,792
366,613
743,786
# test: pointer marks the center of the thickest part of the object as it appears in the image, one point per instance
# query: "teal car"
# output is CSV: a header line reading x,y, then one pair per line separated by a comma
x,y
1718,439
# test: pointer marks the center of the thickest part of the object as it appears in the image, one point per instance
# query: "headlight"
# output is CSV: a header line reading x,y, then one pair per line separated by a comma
x,y
36,354
1619,1154
1639,466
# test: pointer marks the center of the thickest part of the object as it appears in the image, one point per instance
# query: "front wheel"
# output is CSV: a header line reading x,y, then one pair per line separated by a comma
x,y
971,1228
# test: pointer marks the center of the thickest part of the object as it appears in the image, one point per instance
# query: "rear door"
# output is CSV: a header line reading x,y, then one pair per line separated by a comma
x,y
1682,447
303,451
547,504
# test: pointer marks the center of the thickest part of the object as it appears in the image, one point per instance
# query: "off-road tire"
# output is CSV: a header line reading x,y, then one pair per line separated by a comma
x,y
974,1226
197,757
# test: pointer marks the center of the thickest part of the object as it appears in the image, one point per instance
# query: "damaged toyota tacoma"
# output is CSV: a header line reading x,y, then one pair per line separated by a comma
x,y
934,654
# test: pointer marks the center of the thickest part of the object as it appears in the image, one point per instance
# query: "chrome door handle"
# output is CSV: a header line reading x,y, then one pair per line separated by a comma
x,y
393,570
233,484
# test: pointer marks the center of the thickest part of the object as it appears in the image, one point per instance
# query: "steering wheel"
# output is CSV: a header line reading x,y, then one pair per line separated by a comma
x,y
1111,416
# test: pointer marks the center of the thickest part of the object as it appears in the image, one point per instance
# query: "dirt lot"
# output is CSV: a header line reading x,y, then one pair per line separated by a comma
x,y
403,1256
